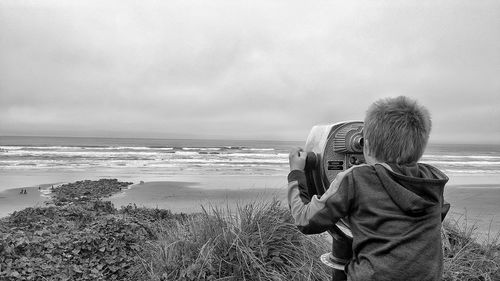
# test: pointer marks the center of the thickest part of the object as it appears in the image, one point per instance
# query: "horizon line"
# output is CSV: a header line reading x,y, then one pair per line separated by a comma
x,y
222,139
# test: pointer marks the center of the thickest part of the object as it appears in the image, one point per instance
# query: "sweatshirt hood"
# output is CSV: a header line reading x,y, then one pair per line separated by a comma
x,y
415,189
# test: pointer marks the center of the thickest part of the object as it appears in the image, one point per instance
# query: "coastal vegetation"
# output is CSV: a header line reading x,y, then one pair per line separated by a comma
x,y
79,236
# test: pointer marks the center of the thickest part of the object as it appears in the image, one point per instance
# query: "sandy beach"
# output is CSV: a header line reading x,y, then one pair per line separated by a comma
x,y
12,200
184,194
188,198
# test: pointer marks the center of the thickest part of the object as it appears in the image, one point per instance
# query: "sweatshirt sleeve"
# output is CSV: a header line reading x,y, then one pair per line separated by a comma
x,y
444,209
320,213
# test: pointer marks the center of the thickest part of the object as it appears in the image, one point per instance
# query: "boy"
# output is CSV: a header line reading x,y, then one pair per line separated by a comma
x,y
393,204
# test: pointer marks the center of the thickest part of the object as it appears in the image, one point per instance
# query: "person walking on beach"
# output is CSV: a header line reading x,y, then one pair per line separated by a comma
x,y
393,204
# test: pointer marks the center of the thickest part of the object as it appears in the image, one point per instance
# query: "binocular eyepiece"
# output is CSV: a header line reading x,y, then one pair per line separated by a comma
x,y
357,144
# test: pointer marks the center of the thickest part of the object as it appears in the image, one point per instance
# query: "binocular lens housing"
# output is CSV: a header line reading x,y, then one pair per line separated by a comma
x,y
353,143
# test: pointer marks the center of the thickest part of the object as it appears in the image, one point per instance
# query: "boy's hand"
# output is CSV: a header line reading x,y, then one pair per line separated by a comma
x,y
297,159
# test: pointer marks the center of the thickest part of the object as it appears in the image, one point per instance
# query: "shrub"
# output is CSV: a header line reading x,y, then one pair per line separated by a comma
x,y
72,242
85,191
152,215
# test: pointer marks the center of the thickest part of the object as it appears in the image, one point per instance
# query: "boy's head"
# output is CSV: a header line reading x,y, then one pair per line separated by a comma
x,y
396,130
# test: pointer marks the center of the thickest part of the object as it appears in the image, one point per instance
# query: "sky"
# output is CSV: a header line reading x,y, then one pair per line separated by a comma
x,y
234,69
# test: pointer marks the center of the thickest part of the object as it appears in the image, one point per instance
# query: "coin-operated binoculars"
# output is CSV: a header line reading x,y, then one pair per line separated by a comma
x,y
332,149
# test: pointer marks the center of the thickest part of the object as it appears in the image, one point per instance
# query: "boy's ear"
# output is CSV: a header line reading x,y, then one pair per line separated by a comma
x,y
366,146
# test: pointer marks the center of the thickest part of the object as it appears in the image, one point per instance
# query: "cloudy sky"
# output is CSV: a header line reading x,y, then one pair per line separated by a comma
x,y
244,69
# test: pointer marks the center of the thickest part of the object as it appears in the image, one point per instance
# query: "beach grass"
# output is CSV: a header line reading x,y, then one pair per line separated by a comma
x,y
85,238
257,241
464,257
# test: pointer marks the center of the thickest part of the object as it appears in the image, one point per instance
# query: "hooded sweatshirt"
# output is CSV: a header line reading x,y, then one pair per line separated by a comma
x,y
394,213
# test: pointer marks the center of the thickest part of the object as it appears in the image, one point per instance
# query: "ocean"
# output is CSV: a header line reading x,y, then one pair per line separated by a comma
x,y
27,161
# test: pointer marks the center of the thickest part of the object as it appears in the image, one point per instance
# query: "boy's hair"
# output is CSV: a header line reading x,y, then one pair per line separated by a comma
x,y
397,130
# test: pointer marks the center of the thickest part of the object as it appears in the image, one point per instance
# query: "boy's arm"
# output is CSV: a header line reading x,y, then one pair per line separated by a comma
x,y
316,215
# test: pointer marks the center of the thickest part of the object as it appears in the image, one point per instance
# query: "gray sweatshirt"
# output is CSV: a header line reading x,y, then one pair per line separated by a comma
x,y
394,212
